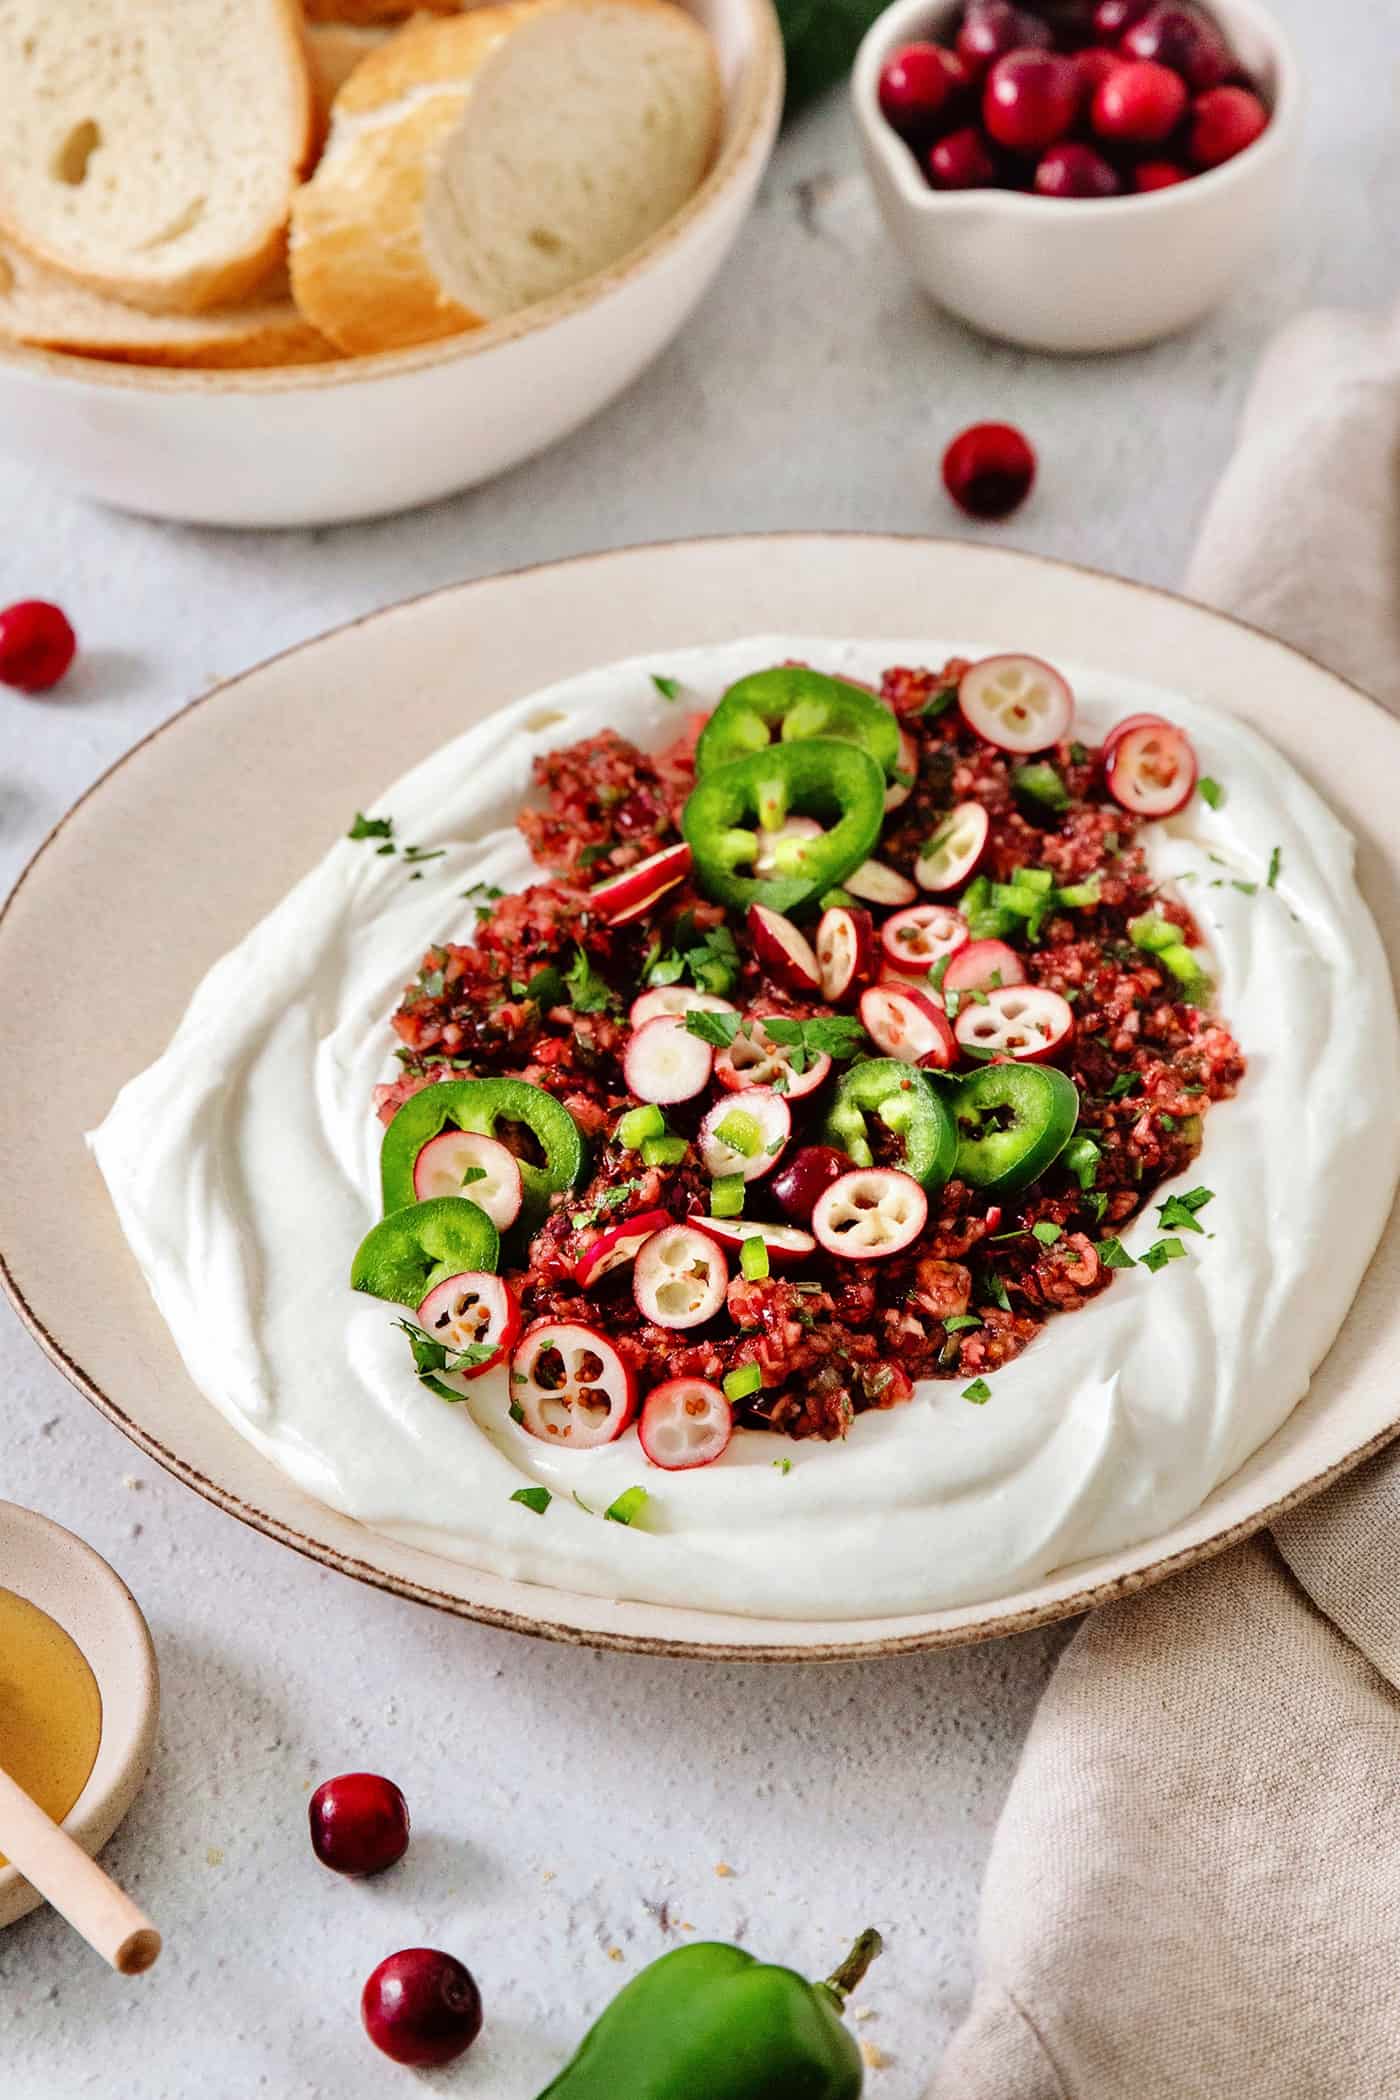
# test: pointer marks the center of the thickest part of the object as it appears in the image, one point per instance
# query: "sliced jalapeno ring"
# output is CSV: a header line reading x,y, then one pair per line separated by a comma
x,y
479,1105
790,704
413,1250
1013,1121
839,784
909,1105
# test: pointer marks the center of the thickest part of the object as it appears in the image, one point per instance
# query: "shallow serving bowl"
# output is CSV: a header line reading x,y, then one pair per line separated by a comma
x,y
1089,273
309,733
320,444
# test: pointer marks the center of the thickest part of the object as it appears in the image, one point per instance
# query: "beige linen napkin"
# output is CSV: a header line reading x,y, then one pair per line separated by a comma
x,y
1194,1890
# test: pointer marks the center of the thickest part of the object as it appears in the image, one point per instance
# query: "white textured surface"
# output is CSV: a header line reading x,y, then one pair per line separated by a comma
x,y
815,389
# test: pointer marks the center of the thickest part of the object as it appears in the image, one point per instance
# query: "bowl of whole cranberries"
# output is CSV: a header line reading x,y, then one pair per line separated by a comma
x,y
1078,175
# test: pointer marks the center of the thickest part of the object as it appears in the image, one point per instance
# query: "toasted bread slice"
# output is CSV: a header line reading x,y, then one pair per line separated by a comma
x,y
151,150
51,312
479,164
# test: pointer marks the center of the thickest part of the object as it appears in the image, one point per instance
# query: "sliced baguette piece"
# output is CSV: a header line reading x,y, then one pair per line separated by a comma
x,y
480,164
47,311
333,50
150,150
381,10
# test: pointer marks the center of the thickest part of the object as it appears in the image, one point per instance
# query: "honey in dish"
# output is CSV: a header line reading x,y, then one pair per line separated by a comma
x,y
50,1707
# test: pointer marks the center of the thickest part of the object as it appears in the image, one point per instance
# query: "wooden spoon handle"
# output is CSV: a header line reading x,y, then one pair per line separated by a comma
x,y
74,1884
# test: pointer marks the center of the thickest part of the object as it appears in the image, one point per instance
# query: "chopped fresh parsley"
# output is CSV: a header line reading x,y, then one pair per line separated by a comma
x,y
719,1029
370,827
825,1035
979,1392
1125,1083
960,1322
429,1355
667,687
380,851
996,1291
1179,1212
1161,1252
1096,1203
1166,1122
1046,1232
938,703
1247,889
784,1466
588,992
1210,791
628,1506
537,1498
1275,863
416,855
589,856
939,971
1114,1255
483,893
1042,784
517,1412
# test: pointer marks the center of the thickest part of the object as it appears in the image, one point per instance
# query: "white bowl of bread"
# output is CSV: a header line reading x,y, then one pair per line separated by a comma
x,y
257,269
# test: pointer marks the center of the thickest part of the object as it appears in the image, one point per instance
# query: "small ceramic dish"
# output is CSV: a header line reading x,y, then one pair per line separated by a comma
x,y
42,1562
1088,274
321,444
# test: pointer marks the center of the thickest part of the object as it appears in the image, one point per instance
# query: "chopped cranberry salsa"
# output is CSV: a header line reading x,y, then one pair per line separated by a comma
x,y
866,1066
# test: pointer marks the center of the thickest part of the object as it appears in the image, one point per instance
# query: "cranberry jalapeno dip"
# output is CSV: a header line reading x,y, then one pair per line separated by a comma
x,y
829,1055
630,1247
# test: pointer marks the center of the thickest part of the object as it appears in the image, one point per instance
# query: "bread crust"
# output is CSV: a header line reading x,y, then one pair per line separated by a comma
x,y
366,12
204,286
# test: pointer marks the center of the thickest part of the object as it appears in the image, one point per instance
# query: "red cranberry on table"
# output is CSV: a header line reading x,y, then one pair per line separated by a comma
x,y
359,1823
1223,122
1151,175
1031,99
962,161
988,470
1177,35
991,28
915,85
1073,170
36,645
1139,104
421,2007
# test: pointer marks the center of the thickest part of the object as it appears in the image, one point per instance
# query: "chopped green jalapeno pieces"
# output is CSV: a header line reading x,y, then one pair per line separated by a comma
x,y
742,1133
1012,1121
414,1249
1041,783
1082,1158
663,1151
741,1381
909,1106
790,704
481,1105
1154,933
839,784
979,1392
628,1506
753,1258
639,1124
727,1196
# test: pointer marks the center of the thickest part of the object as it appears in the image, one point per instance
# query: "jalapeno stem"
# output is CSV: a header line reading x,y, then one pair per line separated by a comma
x,y
850,1973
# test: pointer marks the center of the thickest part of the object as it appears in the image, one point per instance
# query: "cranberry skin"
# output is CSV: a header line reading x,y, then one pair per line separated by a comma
x,y
1139,104
1223,123
1031,99
1112,18
991,28
962,162
421,2007
36,645
1072,170
988,470
914,86
1182,38
1095,66
1151,175
808,1174
359,1823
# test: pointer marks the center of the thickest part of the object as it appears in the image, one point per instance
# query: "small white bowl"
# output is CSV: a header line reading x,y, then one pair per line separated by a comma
x,y
321,444
1083,274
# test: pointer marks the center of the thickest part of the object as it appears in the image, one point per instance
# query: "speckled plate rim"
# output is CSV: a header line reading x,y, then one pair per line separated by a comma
x,y
519,632
65,1577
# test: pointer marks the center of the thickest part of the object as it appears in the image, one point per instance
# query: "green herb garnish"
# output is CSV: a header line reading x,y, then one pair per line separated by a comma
x,y
667,687
1163,1251
370,827
1275,863
1210,791
1046,1232
537,1498
628,1506
719,1029
1179,1212
1114,1255
588,992
979,1392
957,1323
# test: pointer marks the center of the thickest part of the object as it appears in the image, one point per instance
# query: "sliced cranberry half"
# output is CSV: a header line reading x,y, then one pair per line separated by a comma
x,y
870,1214
626,896
464,1163
845,951
784,952
954,853
907,1024
1018,703
1120,730
680,1277
788,1246
744,1133
676,999
686,1422
876,883
1152,770
914,940
665,1063
617,1246
982,966
571,1385
1026,1021
754,1059
472,1311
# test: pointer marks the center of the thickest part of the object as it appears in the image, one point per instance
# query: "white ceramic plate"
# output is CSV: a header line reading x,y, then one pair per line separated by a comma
x,y
198,832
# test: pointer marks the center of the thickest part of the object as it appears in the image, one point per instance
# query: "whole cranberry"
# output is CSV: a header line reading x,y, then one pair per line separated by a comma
x,y
961,161
1072,170
421,2007
1031,99
1140,103
808,1174
1113,17
1159,175
1177,35
991,28
1223,122
988,470
916,83
359,1823
36,645
1095,65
